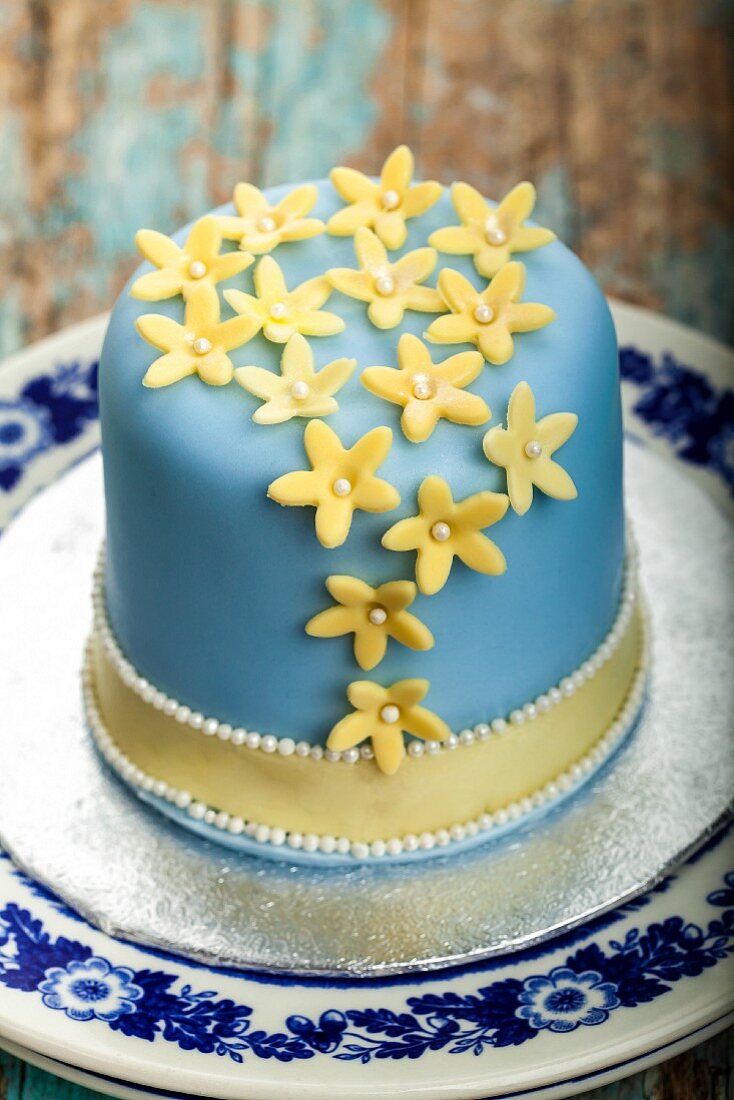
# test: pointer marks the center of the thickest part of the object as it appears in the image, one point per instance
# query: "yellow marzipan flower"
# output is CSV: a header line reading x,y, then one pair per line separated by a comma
x,y
490,234
373,615
181,268
382,206
298,390
199,345
444,529
428,390
281,312
384,715
525,448
340,480
486,318
259,227
389,288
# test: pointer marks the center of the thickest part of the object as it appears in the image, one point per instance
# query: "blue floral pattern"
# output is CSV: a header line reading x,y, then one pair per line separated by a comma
x,y
50,410
682,405
152,1005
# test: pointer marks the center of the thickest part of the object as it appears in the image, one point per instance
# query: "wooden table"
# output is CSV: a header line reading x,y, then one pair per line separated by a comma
x,y
146,112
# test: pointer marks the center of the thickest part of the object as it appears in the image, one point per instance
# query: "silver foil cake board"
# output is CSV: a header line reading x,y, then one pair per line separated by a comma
x,y
74,827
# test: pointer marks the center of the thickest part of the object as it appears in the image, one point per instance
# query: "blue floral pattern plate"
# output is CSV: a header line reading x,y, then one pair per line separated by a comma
x,y
627,990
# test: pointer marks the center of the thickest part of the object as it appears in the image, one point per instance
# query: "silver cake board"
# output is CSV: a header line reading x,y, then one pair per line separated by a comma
x,y
76,829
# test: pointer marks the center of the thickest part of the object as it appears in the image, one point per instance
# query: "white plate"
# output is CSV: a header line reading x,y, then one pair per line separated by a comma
x,y
648,980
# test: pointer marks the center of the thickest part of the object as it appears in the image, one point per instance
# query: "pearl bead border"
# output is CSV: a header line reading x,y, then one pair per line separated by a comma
x,y
287,746
554,790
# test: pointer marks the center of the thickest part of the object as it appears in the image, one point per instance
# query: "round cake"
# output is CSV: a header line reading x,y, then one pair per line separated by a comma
x,y
367,589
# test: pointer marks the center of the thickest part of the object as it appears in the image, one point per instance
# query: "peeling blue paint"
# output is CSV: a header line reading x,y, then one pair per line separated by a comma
x,y
695,283
556,204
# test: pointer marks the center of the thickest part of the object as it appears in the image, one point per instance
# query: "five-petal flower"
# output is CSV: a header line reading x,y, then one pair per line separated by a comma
x,y
298,390
339,481
384,714
382,206
428,390
199,345
281,312
491,233
373,615
180,269
487,318
525,447
389,288
445,528
259,227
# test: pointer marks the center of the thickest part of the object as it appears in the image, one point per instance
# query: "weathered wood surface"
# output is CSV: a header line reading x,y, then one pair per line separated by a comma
x,y
144,112
706,1073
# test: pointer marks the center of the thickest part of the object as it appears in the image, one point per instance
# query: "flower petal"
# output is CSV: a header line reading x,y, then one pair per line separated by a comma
x,y
519,487
406,534
334,375
482,509
249,201
232,228
521,411
406,693
168,369
464,408
391,229
302,229
529,316
500,447
453,328
275,411
389,749
414,266
386,382
269,281
373,494
311,294
350,591
353,186
424,299
204,239
202,309
245,304
479,553
347,220
350,731
296,362
319,323
460,369
279,332
496,344
435,499
528,238
433,566
421,197
517,205
366,695
507,285
298,202
229,264
459,294
160,331
423,723
216,368
322,444
333,623
370,251
157,248
355,284
554,481
469,204
385,313
371,450
301,487
260,382
419,419
410,631
490,258
553,430
157,285
236,331
370,644
457,240
395,595
397,171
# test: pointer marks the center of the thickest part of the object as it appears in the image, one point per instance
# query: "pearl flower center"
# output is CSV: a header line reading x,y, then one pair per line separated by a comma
x,y
483,313
299,391
377,615
422,387
342,487
266,224
197,269
390,199
201,345
533,449
494,233
385,285
278,311
441,531
390,714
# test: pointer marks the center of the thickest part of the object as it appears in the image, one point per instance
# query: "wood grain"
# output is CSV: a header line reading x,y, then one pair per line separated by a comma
x,y
145,112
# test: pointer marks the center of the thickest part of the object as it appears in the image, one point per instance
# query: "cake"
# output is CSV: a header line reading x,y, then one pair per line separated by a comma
x,y
367,589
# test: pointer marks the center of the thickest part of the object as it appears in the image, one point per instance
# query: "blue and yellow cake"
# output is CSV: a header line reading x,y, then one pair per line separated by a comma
x,y
367,589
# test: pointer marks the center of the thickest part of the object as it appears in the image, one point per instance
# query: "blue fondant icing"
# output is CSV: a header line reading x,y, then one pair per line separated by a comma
x,y
210,584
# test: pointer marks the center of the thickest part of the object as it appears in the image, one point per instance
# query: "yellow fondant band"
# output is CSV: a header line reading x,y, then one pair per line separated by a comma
x,y
356,800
